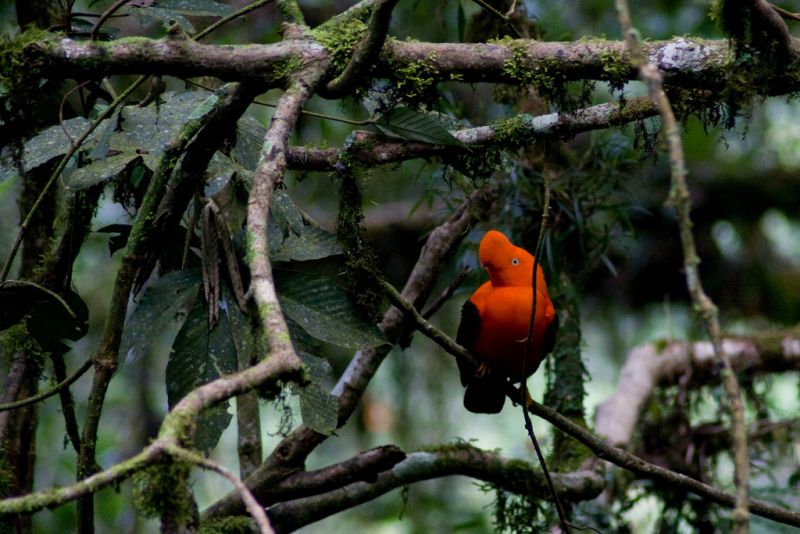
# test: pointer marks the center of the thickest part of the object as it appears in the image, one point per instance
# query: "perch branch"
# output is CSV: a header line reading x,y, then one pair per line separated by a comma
x,y
459,459
597,444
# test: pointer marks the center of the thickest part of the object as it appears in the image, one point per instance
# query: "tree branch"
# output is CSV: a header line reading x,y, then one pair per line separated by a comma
x,y
372,149
85,366
686,63
365,54
460,459
289,455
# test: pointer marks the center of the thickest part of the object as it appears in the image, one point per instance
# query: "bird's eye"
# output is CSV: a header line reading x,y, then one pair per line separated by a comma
x,y
515,261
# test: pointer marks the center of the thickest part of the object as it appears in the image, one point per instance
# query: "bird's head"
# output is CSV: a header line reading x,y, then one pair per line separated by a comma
x,y
508,265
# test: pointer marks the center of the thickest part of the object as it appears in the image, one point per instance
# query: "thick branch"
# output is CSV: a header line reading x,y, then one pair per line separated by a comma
x,y
513,475
688,63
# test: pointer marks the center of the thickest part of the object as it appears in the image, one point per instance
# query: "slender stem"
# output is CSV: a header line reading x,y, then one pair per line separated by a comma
x,y
679,197
235,15
255,509
104,17
85,366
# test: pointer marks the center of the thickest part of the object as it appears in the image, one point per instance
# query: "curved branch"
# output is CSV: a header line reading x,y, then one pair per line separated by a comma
x,y
366,52
85,366
461,459
255,509
679,198
648,366
268,176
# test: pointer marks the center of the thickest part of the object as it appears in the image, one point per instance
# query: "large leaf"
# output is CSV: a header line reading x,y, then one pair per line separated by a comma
x,y
318,408
162,308
102,170
52,143
312,244
199,356
285,213
411,125
149,129
324,310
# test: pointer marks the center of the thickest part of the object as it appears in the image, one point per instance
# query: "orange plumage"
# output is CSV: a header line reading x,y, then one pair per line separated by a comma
x,y
495,321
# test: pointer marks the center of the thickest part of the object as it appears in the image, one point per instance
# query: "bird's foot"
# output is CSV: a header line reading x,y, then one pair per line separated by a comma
x,y
483,370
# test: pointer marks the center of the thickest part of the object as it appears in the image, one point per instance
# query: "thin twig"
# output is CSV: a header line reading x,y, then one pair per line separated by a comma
x,y
433,307
679,197
784,13
104,17
235,15
562,516
365,53
57,172
85,366
255,509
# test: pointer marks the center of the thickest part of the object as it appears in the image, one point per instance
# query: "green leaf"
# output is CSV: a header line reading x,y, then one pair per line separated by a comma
x,y
162,308
285,213
200,356
324,310
249,141
102,170
197,8
147,130
53,142
312,244
318,408
411,125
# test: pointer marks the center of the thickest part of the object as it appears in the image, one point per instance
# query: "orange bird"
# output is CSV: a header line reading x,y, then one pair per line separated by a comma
x,y
495,321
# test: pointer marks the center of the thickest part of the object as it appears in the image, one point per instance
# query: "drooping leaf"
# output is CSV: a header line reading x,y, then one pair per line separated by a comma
x,y
200,356
101,170
324,310
106,130
149,129
149,16
318,407
411,125
461,22
249,141
162,308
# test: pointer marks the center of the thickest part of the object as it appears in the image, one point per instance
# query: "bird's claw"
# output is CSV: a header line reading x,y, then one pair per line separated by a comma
x,y
483,370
